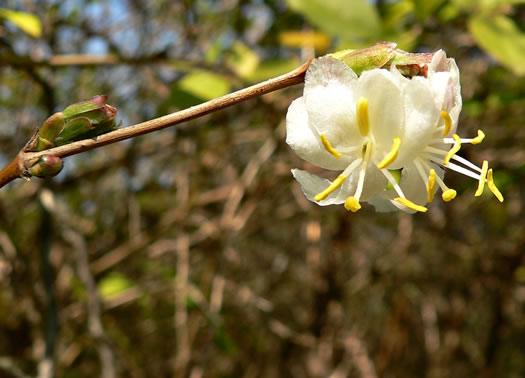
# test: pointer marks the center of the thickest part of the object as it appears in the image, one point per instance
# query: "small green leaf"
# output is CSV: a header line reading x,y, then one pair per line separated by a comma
x,y
354,21
113,284
501,38
28,22
242,60
205,85
272,68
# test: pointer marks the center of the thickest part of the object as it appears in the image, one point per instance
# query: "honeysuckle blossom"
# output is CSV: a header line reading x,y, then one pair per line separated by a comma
x,y
376,125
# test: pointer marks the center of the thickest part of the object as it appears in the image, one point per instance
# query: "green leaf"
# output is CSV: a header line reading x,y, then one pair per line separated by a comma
x,y
355,21
425,8
113,284
272,68
242,60
205,85
28,22
501,38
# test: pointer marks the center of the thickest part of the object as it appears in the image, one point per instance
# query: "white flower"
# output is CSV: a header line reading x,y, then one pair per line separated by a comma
x,y
372,125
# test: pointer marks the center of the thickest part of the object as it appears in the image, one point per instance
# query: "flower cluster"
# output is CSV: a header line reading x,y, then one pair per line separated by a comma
x,y
390,135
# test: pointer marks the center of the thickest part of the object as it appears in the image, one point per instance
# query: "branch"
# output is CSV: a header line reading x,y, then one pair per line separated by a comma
x,y
25,160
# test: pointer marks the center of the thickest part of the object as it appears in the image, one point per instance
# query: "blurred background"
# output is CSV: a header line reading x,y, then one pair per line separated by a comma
x,y
191,252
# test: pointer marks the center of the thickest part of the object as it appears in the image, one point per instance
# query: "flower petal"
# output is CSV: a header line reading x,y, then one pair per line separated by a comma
x,y
421,118
330,101
385,107
305,140
312,184
413,186
382,201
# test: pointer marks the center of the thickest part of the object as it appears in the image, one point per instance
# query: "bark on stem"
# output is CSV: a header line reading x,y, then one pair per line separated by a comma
x,y
28,159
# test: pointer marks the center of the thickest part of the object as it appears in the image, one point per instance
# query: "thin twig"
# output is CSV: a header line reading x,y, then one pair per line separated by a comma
x,y
27,159
96,329
46,366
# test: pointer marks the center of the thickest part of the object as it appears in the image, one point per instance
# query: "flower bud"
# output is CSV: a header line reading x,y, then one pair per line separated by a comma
x,y
372,57
85,119
385,55
47,166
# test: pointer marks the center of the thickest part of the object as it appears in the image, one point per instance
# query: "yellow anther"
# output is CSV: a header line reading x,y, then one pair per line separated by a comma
x,y
392,155
333,186
492,186
482,177
329,147
448,122
363,121
411,205
479,138
448,195
455,148
352,204
431,186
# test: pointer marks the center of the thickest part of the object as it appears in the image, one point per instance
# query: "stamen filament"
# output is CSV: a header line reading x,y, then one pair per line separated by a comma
x,y
454,149
392,155
448,122
392,180
329,147
492,186
411,205
333,186
362,172
363,121
457,158
457,168
482,177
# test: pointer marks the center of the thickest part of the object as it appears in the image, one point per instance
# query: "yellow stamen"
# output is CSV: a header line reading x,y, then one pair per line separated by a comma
x,y
448,122
392,155
352,204
455,148
448,195
411,205
363,121
431,185
333,186
482,177
329,147
479,138
492,186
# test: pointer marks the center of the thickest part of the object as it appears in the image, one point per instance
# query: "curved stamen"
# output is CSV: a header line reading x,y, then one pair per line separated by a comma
x,y
448,122
328,147
363,121
479,138
431,185
392,155
333,186
448,194
411,205
454,149
338,181
482,177
492,186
